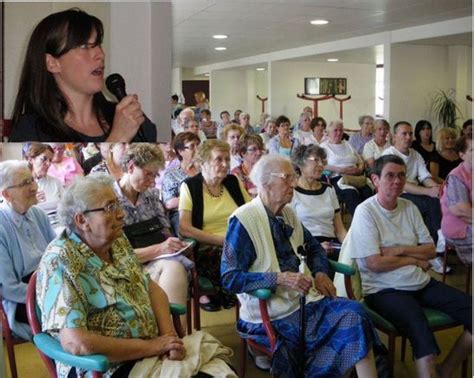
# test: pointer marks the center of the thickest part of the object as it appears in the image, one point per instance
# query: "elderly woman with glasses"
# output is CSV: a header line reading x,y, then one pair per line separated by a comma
x,y
25,233
205,203
93,293
315,202
50,190
185,146
146,224
251,149
261,251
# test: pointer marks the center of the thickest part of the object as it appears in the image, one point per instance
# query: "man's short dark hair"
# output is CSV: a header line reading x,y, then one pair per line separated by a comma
x,y
175,98
399,123
282,119
382,161
224,112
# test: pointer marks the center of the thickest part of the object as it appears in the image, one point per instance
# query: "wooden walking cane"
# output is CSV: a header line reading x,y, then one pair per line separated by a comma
x,y
263,100
315,101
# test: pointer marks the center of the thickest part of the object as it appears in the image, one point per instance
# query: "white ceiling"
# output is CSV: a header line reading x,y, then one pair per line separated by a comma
x,y
262,26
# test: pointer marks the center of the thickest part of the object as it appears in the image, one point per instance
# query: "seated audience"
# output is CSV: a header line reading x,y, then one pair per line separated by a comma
x,y
304,133
64,168
111,163
269,131
358,140
171,162
24,234
423,143
318,125
59,100
193,126
314,202
50,189
232,133
126,317
237,117
205,203
260,253
343,161
251,149
176,106
260,126
208,126
185,115
446,157
374,148
467,128
185,146
456,203
392,248
282,143
244,122
225,120
145,222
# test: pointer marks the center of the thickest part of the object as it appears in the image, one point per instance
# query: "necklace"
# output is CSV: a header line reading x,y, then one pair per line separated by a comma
x,y
214,194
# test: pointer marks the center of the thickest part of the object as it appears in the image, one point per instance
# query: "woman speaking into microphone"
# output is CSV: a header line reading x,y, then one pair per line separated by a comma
x,y
60,92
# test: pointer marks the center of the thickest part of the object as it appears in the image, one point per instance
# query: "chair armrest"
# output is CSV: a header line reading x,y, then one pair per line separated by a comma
x,y
341,268
263,294
53,349
177,309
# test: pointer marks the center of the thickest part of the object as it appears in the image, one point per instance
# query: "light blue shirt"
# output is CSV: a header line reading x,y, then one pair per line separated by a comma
x,y
23,240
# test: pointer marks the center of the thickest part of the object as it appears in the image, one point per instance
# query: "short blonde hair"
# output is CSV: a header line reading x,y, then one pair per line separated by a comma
x,y
445,131
143,154
232,126
205,149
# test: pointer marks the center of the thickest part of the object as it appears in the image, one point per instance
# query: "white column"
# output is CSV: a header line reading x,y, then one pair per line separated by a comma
x,y
387,51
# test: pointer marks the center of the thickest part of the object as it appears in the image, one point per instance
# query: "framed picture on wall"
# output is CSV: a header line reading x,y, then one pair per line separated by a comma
x,y
325,86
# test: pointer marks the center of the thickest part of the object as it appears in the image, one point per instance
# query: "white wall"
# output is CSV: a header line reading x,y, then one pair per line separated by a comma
x,y
228,91
417,71
287,79
9,151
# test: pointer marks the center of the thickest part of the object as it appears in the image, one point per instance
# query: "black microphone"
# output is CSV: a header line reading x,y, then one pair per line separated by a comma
x,y
115,83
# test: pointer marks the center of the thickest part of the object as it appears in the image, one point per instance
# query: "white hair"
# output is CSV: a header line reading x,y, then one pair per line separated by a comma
x,y
260,174
77,198
335,123
8,170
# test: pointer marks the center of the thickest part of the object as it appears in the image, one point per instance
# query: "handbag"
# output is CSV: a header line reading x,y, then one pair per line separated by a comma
x,y
145,233
356,181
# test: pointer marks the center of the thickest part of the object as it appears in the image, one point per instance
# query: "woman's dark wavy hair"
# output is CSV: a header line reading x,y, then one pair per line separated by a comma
x,y
419,126
38,92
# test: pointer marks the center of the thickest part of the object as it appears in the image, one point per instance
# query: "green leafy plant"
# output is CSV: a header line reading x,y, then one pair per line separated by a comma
x,y
445,109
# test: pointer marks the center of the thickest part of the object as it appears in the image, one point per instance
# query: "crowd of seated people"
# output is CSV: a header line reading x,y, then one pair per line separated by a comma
x,y
192,186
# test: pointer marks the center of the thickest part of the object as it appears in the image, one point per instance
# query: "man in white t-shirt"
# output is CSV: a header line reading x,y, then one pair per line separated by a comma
x,y
420,188
392,248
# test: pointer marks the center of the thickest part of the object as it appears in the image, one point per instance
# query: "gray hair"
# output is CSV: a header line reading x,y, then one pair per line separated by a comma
x,y
143,154
383,122
362,118
78,196
8,169
335,123
260,174
305,114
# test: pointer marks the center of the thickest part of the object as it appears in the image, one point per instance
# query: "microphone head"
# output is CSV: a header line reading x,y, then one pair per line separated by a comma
x,y
115,83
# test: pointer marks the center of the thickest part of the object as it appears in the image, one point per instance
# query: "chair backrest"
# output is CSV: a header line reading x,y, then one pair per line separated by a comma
x,y
34,319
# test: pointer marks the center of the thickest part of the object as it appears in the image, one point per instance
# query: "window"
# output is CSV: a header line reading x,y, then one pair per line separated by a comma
x,y
379,90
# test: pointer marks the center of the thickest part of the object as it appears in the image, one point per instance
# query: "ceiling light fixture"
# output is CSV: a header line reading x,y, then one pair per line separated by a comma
x,y
319,22
221,48
220,36
207,74
333,60
260,69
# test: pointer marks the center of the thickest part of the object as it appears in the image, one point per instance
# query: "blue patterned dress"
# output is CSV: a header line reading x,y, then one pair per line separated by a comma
x,y
338,331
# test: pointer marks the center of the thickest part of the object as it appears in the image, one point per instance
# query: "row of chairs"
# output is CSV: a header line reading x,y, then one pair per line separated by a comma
x,y
50,350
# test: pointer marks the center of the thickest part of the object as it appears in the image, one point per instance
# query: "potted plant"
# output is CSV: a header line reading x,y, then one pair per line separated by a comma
x,y
445,109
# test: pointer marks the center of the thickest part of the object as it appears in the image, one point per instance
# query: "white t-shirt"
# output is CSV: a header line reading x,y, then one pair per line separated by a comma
x,y
416,168
304,137
374,227
373,151
340,155
53,191
316,209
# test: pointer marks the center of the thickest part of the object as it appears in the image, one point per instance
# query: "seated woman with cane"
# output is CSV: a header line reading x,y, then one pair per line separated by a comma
x,y
260,251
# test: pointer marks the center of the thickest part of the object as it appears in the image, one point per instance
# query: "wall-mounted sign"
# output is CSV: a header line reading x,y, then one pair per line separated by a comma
x,y
325,86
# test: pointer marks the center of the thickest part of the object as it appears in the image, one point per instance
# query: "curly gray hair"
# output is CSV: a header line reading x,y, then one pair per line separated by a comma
x,y
78,197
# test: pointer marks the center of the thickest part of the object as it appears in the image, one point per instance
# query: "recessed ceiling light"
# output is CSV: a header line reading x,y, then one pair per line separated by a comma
x,y
260,69
220,48
207,74
333,60
220,36
319,22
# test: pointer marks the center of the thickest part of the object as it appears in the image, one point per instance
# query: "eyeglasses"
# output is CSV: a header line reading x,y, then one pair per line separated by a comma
x,y
25,183
109,208
317,161
288,177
